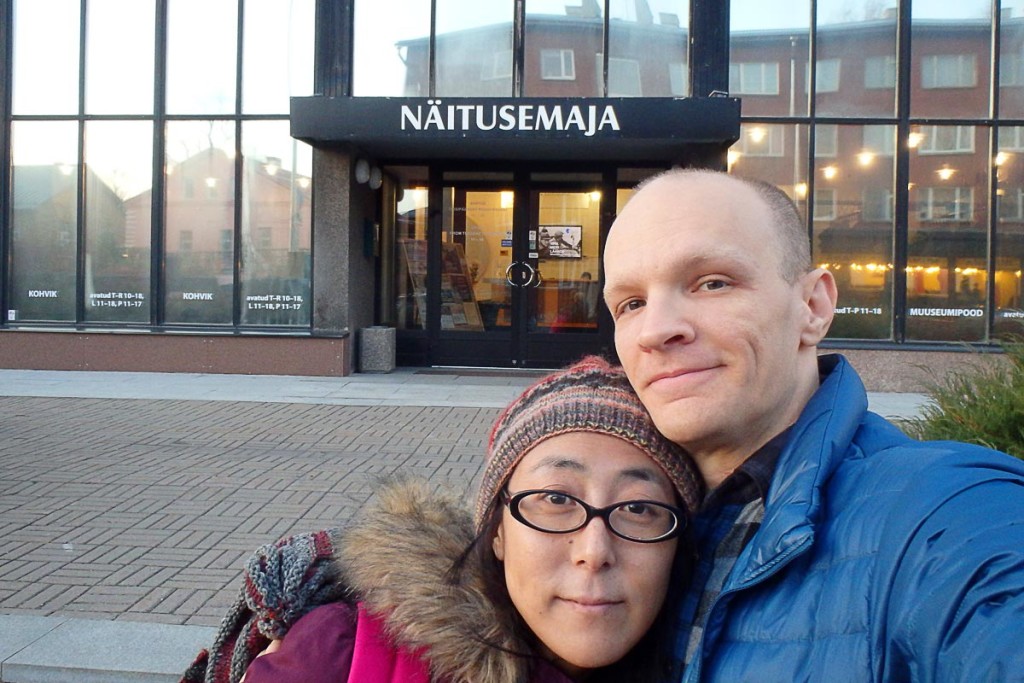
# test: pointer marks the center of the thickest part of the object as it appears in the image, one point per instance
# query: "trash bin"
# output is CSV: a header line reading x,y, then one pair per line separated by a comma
x,y
377,349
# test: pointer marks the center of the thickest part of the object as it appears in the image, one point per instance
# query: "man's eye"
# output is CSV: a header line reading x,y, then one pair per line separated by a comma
x,y
631,305
713,285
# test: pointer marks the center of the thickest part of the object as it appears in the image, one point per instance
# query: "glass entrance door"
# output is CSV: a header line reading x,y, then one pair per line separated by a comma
x,y
519,276
564,237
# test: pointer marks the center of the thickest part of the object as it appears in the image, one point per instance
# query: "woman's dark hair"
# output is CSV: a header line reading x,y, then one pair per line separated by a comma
x,y
649,661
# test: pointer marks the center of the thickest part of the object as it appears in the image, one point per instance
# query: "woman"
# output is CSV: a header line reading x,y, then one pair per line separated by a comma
x,y
574,553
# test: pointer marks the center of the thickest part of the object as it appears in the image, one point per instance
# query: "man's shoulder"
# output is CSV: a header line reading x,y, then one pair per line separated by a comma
x,y
883,444
918,476
879,440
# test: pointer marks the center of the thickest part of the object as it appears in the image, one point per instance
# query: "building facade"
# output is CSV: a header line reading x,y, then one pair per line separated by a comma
x,y
244,186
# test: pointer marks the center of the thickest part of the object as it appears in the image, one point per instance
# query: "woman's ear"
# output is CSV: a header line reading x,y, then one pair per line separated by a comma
x,y
498,542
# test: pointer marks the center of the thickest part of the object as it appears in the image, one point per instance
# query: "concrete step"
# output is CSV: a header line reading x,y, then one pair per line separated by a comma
x,y
61,650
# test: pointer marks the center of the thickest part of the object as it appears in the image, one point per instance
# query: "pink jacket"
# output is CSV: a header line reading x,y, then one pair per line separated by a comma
x,y
337,643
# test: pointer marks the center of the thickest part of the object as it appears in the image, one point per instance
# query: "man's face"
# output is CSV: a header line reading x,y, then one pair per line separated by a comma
x,y
719,346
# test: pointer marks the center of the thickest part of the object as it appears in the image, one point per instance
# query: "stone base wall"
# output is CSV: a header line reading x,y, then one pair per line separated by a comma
x,y
909,371
159,352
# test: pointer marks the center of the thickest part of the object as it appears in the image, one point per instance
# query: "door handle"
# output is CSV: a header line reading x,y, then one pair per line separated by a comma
x,y
533,275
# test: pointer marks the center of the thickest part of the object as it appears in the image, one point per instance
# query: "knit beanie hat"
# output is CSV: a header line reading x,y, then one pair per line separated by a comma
x,y
589,396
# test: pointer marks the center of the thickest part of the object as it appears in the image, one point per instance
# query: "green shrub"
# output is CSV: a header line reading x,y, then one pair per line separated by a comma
x,y
983,404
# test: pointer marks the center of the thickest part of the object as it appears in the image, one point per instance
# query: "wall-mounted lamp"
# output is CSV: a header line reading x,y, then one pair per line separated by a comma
x,y
362,170
376,178
946,172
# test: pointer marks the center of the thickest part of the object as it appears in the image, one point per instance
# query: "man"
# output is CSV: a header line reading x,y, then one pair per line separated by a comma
x,y
831,546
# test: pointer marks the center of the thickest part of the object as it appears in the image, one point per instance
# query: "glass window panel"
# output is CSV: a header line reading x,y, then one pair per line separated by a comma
x,y
201,56
1009,303
560,43
948,237
199,221
276,225
391,48
853,227
1011,58
825,204
951,44
476,255
880,72
760,140
118,187
44,215
776,153
754,78
826,75
568,297
46,46
557,65
879,140
944,140
277,54
861,35
623,77
411,257
826,140
474,48
768,55
119,57
651,35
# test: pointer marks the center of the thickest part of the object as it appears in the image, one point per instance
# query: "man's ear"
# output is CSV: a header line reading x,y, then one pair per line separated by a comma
x,y
820,296
498,542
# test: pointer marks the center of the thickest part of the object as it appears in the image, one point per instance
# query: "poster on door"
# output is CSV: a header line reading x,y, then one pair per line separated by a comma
x,y
560,241
459,309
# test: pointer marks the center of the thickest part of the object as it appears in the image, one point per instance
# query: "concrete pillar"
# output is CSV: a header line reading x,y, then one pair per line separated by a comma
x,y
343,269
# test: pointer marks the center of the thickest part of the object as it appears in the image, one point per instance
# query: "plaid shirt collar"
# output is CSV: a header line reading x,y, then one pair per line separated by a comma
x,y
751,480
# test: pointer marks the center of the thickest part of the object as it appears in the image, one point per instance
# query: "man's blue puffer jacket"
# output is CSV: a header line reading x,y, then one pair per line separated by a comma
x,y
880,558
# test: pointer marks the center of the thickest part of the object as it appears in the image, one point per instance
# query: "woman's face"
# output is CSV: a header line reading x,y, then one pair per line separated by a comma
x,y
589,596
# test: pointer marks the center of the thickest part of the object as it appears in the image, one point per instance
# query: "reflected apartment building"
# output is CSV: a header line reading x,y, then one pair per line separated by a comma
x,y
451,170
952,244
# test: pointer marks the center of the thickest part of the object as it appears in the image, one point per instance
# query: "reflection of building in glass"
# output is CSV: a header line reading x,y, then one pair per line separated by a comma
x,y
564,57
199,243
847,176
44,241
898,133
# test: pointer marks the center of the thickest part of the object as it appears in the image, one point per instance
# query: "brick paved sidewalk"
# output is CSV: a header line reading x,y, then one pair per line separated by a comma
x,y
144,510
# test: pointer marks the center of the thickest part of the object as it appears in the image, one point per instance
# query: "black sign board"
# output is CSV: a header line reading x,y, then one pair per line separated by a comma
x,y
519,128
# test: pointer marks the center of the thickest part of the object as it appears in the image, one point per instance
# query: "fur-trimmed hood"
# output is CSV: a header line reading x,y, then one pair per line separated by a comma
x,y
398,560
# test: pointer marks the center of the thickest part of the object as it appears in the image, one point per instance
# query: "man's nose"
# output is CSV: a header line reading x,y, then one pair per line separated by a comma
x,y
666,320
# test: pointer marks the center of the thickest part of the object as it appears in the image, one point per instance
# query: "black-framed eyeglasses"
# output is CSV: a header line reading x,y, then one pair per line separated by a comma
x,y
557,512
